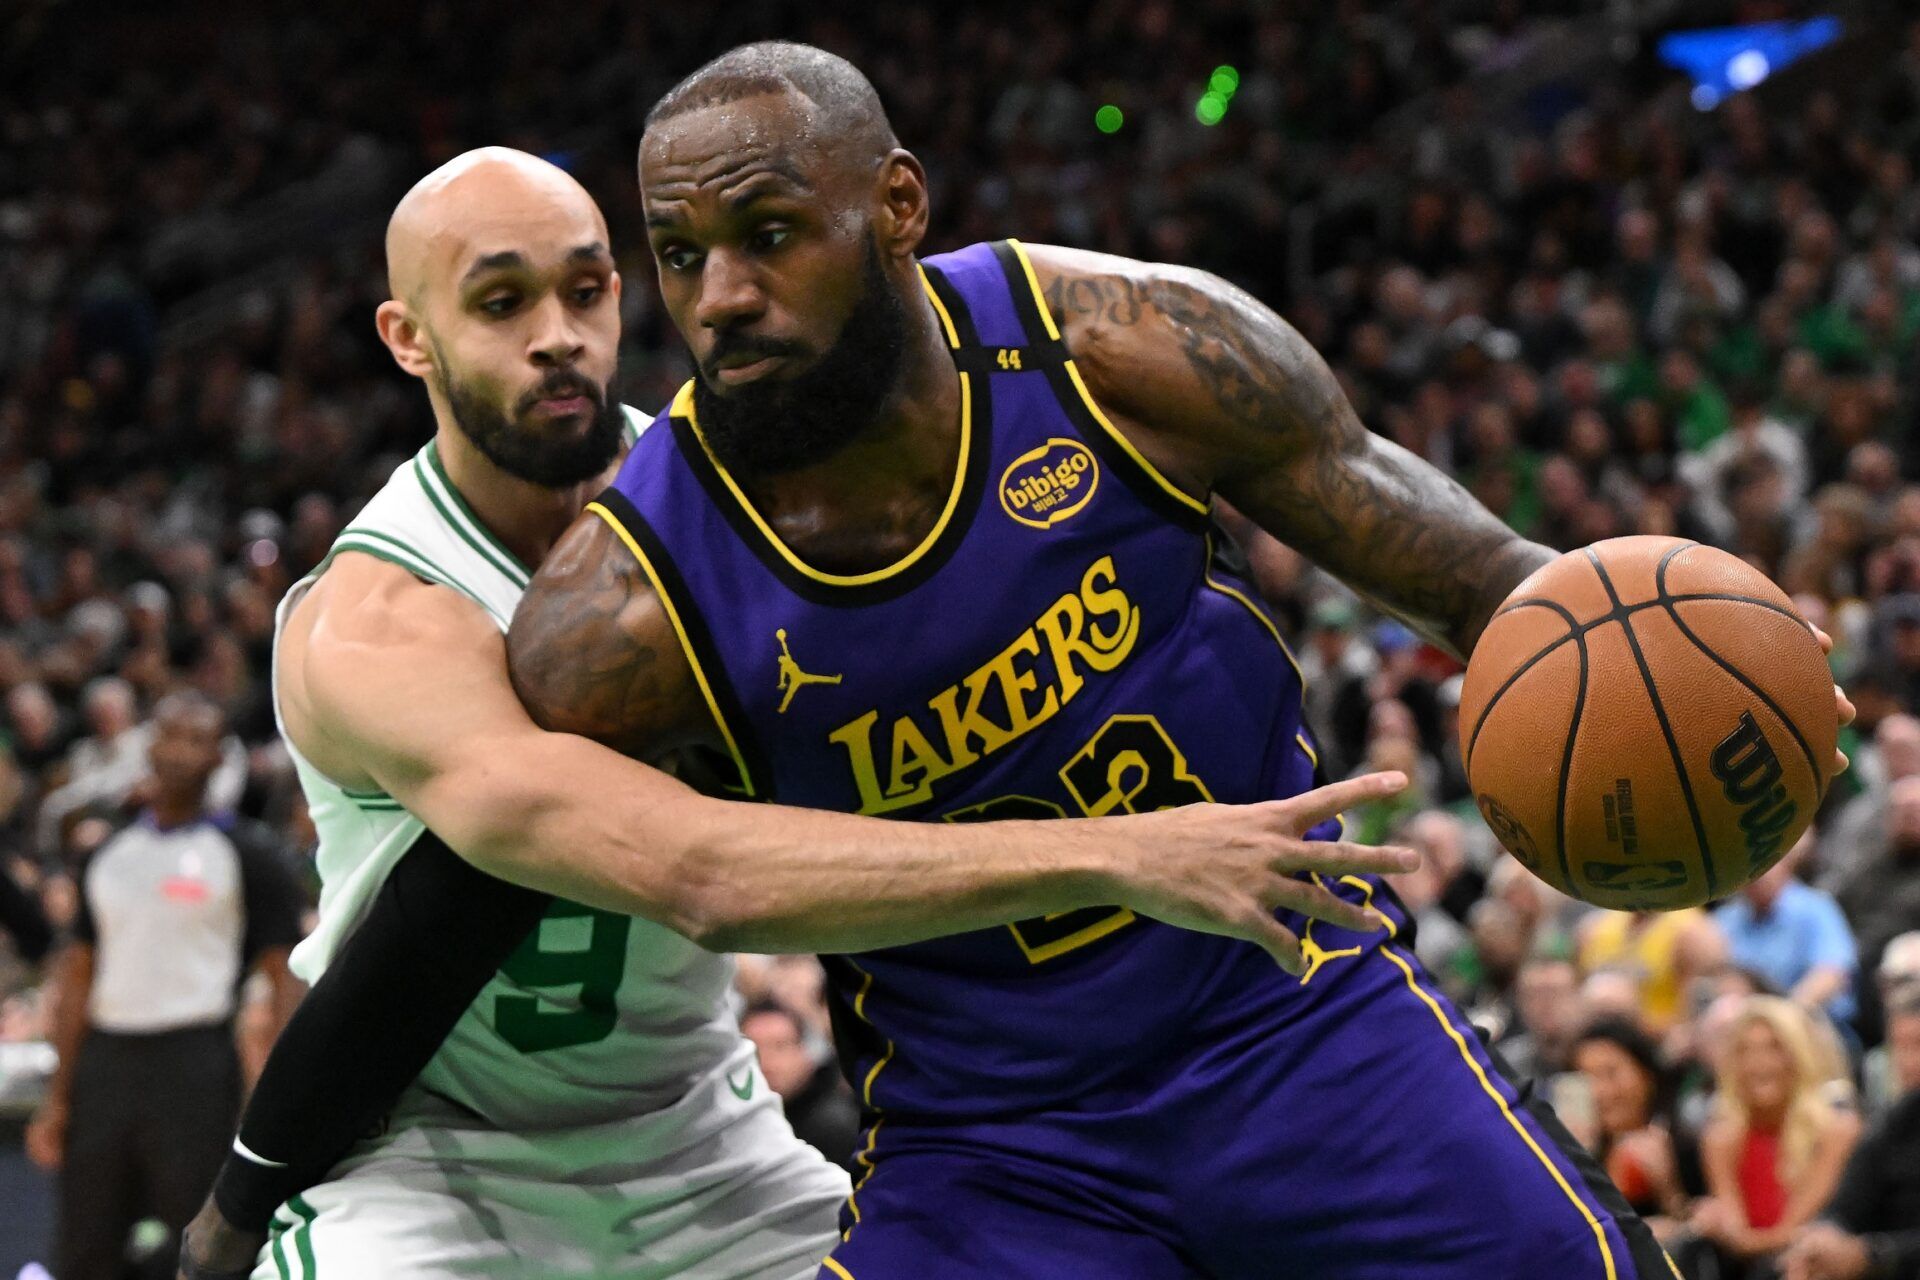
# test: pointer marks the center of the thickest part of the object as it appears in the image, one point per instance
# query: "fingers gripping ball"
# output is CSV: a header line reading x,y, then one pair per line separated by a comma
x,y
1648,724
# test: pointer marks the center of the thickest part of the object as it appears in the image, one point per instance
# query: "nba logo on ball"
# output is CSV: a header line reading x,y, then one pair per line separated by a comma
x,y
1648,724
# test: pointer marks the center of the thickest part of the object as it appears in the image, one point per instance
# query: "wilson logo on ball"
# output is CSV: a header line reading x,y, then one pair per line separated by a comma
x,y
1749,772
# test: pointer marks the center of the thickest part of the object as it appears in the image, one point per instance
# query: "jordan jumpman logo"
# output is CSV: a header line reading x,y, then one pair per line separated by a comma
x,y
791,676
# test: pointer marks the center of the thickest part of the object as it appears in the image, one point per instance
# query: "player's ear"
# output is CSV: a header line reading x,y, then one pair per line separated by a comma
x,y
902,221
613,287
404,337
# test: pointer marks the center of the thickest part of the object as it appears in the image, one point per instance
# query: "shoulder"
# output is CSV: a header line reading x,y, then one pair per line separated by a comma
x,y
1195,361
594,649
364,609
368,637
1111,310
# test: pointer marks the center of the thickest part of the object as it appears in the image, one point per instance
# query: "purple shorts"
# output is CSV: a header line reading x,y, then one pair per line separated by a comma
x,y
1372,1137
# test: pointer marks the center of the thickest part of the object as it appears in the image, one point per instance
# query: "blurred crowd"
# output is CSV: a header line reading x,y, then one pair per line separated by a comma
x,y
1606,311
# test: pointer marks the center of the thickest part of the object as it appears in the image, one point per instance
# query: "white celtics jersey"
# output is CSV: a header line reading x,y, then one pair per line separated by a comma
x,y
597,1017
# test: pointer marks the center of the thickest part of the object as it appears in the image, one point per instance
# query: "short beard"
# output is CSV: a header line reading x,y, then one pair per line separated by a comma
x,y
781,424
528,453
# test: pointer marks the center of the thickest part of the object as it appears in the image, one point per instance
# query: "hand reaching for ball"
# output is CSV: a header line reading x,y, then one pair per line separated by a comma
x,y
1840,699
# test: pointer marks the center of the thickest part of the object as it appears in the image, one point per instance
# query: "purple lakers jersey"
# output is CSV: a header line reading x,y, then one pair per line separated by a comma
x,y
1064,642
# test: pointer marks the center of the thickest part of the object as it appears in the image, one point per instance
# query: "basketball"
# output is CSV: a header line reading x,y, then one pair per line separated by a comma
x,y
1647,723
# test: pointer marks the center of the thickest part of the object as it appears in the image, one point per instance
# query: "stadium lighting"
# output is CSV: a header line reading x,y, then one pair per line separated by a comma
x,y
1221,86
1728,60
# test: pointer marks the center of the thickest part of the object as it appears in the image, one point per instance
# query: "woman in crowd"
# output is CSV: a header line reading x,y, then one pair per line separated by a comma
x,y
1777,1142
1633,1134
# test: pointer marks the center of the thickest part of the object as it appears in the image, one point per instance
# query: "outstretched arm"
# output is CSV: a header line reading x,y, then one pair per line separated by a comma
x,y
593,654
1224,396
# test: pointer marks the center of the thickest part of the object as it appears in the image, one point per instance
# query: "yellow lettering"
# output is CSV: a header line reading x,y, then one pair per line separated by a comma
x,y
1112,646
857,737
913,754
963,727
1062,624
1075,642
1016,682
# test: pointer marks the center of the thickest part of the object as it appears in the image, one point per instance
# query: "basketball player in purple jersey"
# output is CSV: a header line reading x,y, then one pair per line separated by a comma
x,y
930,539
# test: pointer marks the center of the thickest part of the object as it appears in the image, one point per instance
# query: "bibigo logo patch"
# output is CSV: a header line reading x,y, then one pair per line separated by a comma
x,y
1047,485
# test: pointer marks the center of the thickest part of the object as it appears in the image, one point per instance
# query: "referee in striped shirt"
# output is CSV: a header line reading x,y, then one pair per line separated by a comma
x,y
174,911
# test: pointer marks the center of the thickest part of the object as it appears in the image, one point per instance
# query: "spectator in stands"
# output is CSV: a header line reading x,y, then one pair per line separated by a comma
x,y
1882,897
1653,945
1634,1137
174,910
1548,1016
1794,936
1857,835
818,1103
1500,944
1870,1229
1775,1147
1892,1066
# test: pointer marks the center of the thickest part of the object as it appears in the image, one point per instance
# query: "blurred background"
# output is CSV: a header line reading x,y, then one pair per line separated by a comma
x,y
1636,267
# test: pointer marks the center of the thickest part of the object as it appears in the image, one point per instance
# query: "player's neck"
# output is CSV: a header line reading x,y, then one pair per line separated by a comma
x,y
527,518
889,483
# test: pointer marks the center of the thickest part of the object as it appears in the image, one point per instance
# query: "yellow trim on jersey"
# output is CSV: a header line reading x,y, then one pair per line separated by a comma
x,y
940,309
1079,384
866,1158
836,1268
683,407
686,645
1453,1033
860,1012
866,1090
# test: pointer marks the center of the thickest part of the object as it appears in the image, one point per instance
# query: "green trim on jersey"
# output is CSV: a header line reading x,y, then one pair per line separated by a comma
x,y
466,523
407,557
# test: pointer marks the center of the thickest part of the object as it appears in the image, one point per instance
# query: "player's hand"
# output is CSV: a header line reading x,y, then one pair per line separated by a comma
x,y
211,1248
1841,701
1226,869
47,1135
1825,1252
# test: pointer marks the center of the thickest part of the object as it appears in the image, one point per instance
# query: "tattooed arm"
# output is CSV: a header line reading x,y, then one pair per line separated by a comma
x,y
1222,395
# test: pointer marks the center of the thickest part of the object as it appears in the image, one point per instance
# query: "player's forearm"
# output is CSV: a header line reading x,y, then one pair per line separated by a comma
x,y
1402,533
773,879
583,824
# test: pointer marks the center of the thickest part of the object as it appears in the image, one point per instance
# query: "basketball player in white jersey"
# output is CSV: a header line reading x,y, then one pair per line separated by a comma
x,y
595,1111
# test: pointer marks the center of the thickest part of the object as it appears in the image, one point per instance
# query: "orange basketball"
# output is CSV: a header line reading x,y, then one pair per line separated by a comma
x,y
1648,724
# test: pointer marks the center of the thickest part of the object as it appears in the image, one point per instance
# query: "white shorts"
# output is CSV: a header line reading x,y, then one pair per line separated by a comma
x,y
714,1187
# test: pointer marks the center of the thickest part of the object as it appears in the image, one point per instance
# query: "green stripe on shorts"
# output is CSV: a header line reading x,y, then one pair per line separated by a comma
x,y
303,1236
279,1250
